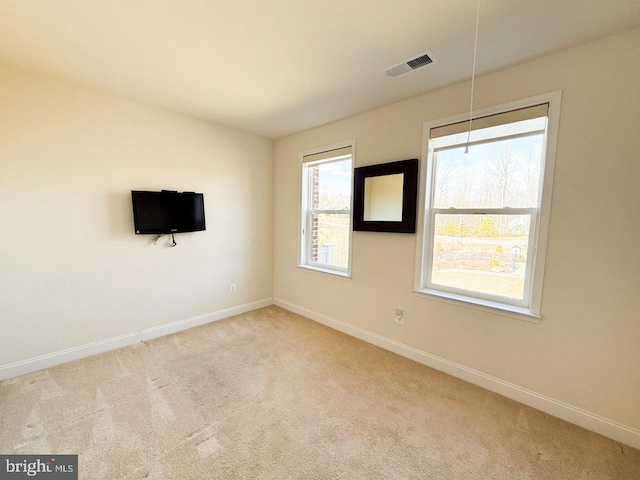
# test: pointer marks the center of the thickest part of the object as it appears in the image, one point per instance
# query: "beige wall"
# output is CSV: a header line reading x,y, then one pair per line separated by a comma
x,y
73,271
586,350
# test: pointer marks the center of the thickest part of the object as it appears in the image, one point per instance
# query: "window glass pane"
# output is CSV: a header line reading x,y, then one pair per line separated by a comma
x,y
331,185
498,174
481,253
330,239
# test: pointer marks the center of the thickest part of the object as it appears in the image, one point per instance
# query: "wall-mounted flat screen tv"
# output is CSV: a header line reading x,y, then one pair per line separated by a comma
x,y
167,212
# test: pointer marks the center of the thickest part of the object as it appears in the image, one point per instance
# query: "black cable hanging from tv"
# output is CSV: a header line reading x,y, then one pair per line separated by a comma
x,y
173,239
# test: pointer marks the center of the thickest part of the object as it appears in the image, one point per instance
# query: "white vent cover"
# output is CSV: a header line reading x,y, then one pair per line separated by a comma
x,y
410,64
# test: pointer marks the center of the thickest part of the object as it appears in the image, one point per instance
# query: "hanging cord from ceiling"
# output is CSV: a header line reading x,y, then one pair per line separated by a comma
x,y
473,77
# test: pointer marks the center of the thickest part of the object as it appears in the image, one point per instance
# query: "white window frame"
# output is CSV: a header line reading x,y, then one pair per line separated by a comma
x,y
530,308
304,223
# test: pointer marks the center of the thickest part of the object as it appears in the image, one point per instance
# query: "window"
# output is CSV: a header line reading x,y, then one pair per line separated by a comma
x,y
325,233
486,206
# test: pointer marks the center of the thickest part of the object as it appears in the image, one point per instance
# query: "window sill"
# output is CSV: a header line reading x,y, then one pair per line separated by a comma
x,y
337,273
497,308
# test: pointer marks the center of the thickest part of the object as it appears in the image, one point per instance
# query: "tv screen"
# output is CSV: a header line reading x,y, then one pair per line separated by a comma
x,y
167,212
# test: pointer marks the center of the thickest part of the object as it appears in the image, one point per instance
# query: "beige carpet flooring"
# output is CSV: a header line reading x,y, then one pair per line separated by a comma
x,y
271,395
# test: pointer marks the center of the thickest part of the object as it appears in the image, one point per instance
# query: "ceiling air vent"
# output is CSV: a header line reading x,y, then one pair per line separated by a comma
x,y
410,64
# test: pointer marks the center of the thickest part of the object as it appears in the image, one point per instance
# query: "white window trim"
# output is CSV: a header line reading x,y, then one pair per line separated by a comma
x,y
303,229
531,313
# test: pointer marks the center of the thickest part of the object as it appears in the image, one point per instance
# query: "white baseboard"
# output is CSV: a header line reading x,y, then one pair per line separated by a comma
x,y
596,423
173,327
56,358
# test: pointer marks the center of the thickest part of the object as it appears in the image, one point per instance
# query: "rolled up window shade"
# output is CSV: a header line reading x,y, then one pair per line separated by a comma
x,y
316,157
512,116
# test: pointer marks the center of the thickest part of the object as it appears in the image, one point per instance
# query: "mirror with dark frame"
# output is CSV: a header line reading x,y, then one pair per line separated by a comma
x,y
385,196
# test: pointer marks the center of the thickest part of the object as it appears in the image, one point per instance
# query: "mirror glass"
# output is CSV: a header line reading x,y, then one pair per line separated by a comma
x,y
383,198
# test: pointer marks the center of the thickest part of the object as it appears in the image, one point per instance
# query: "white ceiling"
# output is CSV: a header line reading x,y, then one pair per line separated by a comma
x,y
281,66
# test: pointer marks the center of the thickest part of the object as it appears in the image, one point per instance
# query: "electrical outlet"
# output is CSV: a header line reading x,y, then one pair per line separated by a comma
x,y
399,315
232,288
